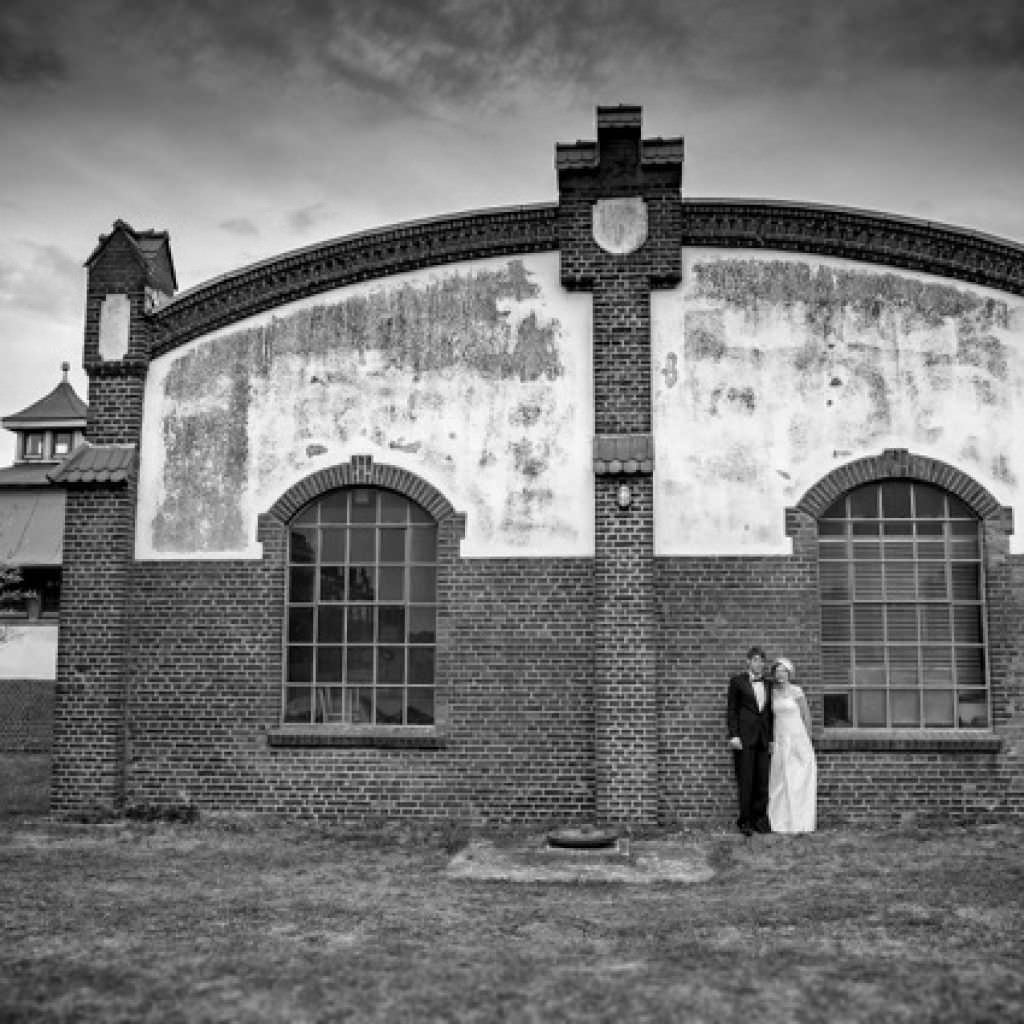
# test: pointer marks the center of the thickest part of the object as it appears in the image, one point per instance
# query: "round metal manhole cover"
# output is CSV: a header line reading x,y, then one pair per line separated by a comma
x,y
586,837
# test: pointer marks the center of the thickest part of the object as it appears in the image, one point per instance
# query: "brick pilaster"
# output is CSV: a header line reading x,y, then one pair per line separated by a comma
x,y
125,279
634,185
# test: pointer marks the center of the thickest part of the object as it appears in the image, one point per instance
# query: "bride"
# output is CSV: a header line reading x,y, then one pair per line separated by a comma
x,y
793,775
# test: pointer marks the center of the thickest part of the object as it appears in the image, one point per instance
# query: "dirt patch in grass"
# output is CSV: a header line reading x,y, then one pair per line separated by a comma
x,y
172,922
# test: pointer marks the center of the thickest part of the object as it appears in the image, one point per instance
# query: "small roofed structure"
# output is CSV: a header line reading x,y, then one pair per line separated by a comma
x,y
49,432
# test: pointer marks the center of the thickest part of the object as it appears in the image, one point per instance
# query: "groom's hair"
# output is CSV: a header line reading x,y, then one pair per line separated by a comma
x,y
755,650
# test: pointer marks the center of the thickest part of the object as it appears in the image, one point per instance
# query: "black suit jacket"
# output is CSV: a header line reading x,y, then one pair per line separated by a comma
x,y
755,728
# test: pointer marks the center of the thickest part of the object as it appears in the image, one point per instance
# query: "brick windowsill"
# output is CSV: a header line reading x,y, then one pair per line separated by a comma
x,y
427,737
944,740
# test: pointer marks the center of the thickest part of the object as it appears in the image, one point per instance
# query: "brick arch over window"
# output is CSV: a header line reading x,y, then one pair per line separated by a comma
x,y
899,462
362,471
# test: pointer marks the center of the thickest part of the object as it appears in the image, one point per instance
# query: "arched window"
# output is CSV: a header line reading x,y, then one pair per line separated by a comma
x,y
362,611
902,609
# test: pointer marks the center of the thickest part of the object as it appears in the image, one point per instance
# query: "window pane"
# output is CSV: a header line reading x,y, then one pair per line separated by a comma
x,y
392,545
306,517
899,580
360,624
896,499
834,580
389,705
835,623
359,664
330,704
970,666
938,707
973,708
328,664
965,581
932,582
930,502
864,550
901,620
870,707
301,584
938,667
904,707
360,583
392,583
390,664
899,528
935,623
364,506
830,550
867,581
831,529
864,502
965,547
362,544
331,624
931,549
866,529
297,704
835,666
902,549
300,625
867,622
421,665
332,583
424,546
334,544
422,583
300,664
334,507
421,706
837,710
393,508
360,704
967,623
303,545
422,625
392,624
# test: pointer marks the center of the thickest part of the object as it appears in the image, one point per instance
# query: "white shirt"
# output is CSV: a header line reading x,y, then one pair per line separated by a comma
x,y
758,685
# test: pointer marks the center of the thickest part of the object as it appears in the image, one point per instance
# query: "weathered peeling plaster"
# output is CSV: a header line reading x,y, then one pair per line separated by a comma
x,y
476,377
773,369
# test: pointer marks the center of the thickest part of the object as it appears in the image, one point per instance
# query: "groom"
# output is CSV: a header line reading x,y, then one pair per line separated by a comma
x,y
751,720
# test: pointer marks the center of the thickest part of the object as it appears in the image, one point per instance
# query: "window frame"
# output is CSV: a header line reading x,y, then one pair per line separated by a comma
x,y
904,538
417,520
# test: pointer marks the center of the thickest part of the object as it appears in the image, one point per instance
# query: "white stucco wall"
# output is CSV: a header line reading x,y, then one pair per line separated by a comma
x,y
770,370
476,377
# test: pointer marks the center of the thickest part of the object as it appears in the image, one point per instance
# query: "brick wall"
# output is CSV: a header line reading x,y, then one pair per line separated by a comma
x,y
205,689
26,715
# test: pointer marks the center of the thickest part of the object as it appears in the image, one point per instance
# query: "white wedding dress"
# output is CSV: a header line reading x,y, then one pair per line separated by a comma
x,y
793,776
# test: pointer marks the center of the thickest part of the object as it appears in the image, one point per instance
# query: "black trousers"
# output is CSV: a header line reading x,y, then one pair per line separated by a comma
x,y
752,764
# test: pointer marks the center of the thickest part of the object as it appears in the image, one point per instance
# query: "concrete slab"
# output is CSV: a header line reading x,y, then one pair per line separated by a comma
x,y
630,861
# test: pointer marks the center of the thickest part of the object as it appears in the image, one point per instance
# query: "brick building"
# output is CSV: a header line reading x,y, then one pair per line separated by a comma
x,y
473,517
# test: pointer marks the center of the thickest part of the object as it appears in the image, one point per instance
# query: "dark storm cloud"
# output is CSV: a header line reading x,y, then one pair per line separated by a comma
x,y
467,50
239,226
28,56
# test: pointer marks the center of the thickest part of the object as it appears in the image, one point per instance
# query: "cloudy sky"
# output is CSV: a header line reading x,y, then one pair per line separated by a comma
x,y
248,129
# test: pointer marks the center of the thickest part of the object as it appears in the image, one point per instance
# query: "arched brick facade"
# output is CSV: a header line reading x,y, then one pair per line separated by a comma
x,y
571,687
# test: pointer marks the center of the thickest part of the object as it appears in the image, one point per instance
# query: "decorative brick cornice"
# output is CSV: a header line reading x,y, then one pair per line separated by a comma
x,y
342,261
623,454
901,463
857,235
362,471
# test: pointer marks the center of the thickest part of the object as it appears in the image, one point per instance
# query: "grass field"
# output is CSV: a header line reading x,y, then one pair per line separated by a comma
x,y
230,921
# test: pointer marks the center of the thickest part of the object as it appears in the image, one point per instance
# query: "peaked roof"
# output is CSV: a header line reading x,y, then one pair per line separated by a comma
x,y
61,406
153,249
95,464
